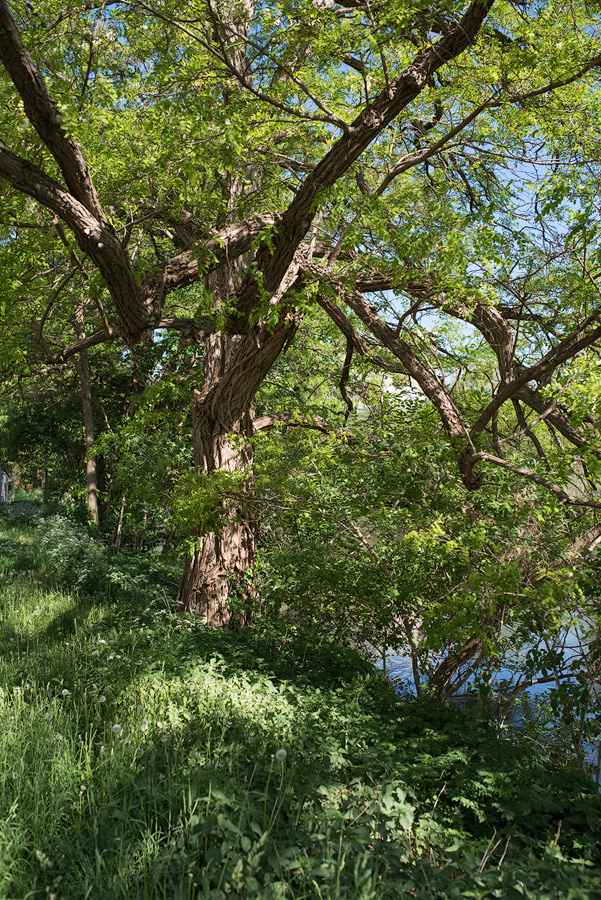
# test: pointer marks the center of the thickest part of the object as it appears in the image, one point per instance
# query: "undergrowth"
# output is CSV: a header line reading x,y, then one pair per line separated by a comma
x,y
146,756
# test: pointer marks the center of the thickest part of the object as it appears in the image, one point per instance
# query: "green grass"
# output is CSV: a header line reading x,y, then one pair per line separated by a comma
x,y
137,753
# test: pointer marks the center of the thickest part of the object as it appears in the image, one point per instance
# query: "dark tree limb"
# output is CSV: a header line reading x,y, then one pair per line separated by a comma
x,y
96,238
227,245
91,340
316,423
566,349
431,385
44,114
273,260
346,371
352,334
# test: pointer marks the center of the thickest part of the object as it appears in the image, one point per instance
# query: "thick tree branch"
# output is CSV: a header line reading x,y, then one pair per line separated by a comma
x,y
44,114
263,423
207,256
587,543
352,334
228,398
344,377
273,260
498,334
27,178
535,401
193,331
431,385
91,340
96,238
565,350
429,382
494,328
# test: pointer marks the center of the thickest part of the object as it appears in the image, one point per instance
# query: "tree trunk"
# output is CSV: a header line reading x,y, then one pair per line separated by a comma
x,y
219,570
83,370
117,540
220,566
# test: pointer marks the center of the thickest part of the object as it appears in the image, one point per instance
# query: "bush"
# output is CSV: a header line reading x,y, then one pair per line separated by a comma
x,y
26,512
72,556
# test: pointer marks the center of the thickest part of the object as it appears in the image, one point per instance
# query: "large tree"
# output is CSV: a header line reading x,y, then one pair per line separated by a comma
x,y
220,170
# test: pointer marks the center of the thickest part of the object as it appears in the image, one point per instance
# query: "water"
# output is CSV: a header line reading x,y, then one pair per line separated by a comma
x,y
530,718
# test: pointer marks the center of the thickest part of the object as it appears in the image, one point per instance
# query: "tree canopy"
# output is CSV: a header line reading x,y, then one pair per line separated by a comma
x,y
237,217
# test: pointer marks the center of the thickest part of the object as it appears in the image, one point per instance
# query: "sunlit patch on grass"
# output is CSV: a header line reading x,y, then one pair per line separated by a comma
x,y
145,756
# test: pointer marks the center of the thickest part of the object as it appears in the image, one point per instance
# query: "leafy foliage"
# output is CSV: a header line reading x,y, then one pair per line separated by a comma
x,y
142,755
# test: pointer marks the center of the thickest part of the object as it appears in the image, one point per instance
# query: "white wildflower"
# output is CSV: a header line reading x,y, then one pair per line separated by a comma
x,y
144,725
117,729
43,860
281,754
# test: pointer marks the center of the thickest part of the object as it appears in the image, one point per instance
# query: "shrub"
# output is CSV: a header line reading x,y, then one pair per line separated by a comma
x,y
72,556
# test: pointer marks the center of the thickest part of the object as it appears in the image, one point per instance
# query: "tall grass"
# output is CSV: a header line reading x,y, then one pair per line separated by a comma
x,y
145,756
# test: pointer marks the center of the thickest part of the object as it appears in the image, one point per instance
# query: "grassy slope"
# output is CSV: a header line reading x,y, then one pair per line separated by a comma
x,y
137,758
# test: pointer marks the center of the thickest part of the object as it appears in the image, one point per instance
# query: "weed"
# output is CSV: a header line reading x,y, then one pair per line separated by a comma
x,y
146,756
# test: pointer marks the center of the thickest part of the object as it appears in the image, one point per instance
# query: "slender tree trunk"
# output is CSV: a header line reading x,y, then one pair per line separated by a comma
x,y
220,564
117,541
83,370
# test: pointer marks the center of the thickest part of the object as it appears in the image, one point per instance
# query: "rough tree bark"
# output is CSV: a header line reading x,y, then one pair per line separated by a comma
x,y
234,367
225,555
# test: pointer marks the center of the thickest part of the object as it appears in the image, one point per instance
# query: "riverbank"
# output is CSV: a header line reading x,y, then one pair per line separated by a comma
x,y
146,756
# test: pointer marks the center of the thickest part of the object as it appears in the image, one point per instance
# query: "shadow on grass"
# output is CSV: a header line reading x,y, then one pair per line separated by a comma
x,y
187,799
226,815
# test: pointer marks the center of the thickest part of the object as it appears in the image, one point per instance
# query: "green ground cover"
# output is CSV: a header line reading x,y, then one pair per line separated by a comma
x,y
139,755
